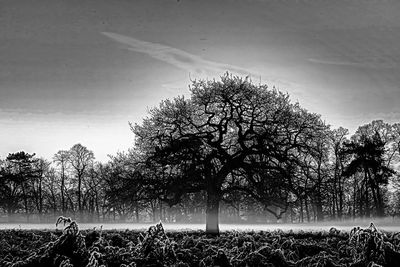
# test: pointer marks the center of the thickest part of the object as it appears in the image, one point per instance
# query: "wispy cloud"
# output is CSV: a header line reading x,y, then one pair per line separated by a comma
x,y
333,62
177,57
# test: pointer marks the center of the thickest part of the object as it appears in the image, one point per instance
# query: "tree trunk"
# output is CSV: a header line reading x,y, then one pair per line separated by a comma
x,y
25,198
314,212
381,206
161,211
334,208
318,207
137,212
153,211
212,221
361,201
355,193
62,190
367,210
340,208
291,214
40,193
10,213
307,210
79,195
320,215
301,218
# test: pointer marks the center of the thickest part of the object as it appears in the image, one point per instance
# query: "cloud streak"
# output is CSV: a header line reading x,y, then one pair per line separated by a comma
x,y
176,57
332,62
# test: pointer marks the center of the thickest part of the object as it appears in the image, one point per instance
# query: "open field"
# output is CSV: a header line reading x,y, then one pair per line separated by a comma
x,y
156,247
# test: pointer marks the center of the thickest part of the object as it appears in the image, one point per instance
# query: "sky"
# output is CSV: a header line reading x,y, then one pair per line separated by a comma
x,y
78,71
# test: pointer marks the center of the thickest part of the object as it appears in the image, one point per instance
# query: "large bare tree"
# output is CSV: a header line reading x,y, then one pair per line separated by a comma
x,y
225,131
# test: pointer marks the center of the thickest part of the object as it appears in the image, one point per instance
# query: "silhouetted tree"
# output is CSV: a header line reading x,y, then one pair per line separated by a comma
x,y
368,152
80,158
122,185
24,172
338,138
41,167
316,167
52,192
226,125
62,158
10,189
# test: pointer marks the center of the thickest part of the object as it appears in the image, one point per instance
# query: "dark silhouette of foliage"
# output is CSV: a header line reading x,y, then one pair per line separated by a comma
x,y
17,176
368,153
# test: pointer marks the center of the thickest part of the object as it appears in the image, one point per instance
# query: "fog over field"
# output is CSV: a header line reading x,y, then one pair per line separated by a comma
x,y
387,224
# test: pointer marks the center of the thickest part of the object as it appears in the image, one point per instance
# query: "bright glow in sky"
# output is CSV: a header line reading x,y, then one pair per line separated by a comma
x,y
78,71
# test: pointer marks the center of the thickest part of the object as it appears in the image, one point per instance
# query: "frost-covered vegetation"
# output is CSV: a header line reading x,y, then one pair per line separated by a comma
x,y
154,247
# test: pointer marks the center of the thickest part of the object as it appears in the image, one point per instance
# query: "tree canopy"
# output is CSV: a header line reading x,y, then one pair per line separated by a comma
x,y
229,135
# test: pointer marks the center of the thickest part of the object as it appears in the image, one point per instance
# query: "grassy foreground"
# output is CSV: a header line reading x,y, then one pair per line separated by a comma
x,y
74,248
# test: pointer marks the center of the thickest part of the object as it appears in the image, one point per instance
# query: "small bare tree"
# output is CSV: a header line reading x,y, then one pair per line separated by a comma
x,y
80,158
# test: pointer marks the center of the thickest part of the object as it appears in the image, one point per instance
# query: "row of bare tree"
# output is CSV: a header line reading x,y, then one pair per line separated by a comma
x,y
232,137
233,150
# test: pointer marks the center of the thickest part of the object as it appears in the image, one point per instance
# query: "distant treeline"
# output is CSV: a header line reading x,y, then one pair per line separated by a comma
x,y
234,149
